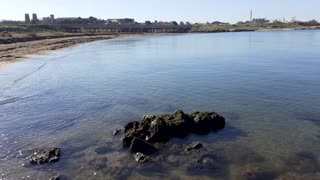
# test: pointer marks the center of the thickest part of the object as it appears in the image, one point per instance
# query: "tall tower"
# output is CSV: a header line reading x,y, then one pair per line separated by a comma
x,y
27,18
251,16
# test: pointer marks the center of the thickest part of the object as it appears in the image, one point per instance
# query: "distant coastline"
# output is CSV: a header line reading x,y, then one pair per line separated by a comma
x,y
245,28
24,47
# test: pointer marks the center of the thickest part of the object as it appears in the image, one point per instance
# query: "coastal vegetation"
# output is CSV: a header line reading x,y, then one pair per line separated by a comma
x,y
11,32
248,26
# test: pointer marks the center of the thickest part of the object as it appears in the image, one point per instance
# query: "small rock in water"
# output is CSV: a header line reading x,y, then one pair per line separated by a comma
x,y
208,163
56,177
139,157
196,146
116,132
47,156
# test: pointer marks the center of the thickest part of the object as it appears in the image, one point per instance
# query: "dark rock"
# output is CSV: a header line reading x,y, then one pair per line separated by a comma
x,y
206,122
139,145
139,157
161,128
47,156
116,132
196,146
180,124
131,125
56,177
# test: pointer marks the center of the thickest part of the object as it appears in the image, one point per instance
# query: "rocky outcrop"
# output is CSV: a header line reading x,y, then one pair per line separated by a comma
x,y
160,128
47,156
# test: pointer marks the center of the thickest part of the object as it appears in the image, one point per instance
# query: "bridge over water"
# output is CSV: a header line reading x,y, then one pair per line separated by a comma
x,y
126,28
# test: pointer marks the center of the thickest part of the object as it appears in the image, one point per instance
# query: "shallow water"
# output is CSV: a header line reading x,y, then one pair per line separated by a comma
x,y
266,84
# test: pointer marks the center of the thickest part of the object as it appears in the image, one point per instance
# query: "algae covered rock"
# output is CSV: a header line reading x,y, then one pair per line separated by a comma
x,y
47,156
161,128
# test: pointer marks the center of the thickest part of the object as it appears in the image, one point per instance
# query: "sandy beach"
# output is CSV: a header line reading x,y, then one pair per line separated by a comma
x,y
10,53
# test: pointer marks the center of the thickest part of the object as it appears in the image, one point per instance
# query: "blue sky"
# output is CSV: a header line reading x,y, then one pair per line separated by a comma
x,y
165,10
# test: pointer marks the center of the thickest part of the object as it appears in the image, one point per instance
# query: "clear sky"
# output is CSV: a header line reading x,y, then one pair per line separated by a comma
x,y
164,10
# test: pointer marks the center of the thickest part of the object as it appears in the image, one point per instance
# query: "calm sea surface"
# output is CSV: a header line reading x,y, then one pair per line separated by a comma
x,y
266,85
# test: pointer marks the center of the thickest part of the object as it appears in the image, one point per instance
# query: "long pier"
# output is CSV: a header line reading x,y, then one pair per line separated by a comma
x,y
126,28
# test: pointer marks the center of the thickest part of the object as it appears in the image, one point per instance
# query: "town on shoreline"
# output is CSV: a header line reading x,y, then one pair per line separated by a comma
x,y
50,27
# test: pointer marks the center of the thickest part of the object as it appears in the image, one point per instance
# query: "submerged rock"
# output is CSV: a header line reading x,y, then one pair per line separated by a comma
x,y
208,163
141,158
47,156
251,172
139,145
161,128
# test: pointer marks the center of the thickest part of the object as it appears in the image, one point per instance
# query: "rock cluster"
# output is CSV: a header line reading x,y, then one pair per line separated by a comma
x,y
140,135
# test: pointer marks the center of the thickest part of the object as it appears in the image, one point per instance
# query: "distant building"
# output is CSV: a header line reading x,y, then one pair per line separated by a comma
x,y
27,18
48,20
35,18
260,20
121,21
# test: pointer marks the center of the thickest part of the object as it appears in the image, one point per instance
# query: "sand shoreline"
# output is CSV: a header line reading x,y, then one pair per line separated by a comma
x,y
11,53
